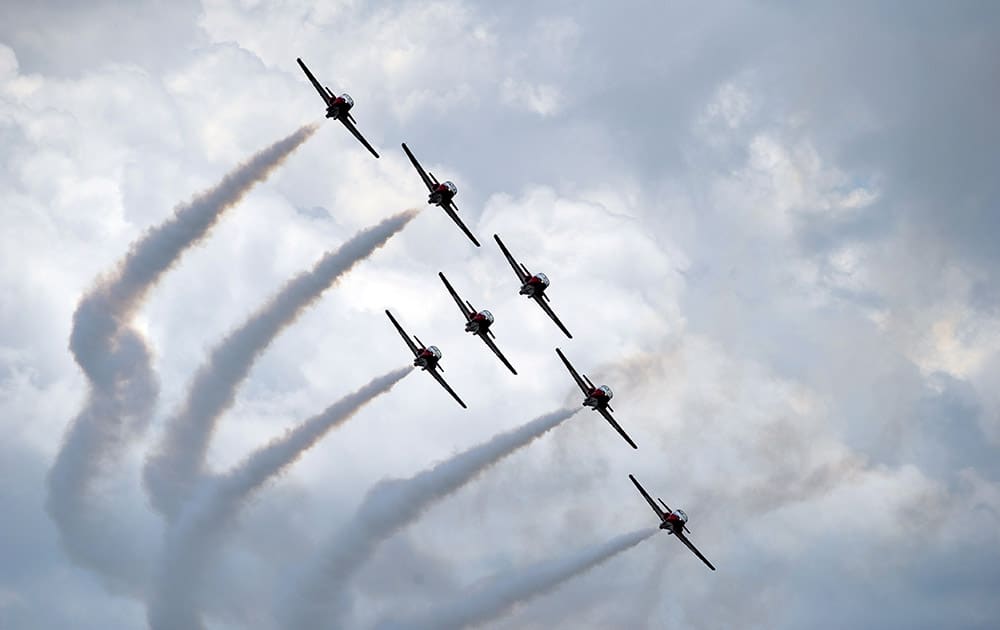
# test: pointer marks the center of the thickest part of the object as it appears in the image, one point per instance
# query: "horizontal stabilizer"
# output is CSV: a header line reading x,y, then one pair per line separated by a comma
x,y
330,92
525,270
422,346
433,179
591,384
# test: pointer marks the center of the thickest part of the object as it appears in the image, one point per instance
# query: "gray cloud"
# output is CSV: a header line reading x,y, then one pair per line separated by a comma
x,y
388,507
198,528
787,209
502,593
170,472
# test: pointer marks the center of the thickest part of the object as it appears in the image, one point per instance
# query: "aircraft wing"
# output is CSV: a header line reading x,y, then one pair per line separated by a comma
x,y
681,537
621,431
409,342
548,311
521,275
312,79
496,351
452,210
357,134
440,379
466,311
576,376
660,513
416,165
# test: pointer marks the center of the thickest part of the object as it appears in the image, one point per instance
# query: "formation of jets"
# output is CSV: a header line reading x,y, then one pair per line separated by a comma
x,y
480,322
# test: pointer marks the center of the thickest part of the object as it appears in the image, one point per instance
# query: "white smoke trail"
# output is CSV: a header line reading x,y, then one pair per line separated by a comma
x,y
171,472
117,363
500,594
388,507
199,528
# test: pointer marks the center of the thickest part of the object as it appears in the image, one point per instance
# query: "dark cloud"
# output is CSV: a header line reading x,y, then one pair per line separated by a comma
x,y
783,213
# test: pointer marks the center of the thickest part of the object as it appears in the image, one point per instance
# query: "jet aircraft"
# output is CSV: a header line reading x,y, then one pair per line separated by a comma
x,y
532,285
477,322
338,107
441,194
427,358
596,397
674,521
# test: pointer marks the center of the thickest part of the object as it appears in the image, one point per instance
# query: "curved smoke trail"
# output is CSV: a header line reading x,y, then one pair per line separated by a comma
x,y
172,471
199,527
388,507
500,594
117,363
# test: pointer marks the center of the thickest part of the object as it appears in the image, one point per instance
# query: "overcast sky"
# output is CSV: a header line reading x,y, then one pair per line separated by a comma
x,y
772,229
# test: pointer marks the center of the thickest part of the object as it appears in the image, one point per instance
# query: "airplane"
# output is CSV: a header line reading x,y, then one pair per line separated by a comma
x,y
532,285
427,358
596,397
674,521
338,107
477,322
441,194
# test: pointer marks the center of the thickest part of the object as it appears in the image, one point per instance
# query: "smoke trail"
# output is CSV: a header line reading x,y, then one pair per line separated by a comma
x,y
388,507
198,530
502,593
171,472
117,363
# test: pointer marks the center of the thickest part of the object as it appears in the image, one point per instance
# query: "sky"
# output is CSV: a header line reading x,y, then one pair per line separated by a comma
x,y
770,226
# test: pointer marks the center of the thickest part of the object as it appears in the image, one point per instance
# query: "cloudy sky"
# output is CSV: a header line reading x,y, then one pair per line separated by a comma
x,y
771,228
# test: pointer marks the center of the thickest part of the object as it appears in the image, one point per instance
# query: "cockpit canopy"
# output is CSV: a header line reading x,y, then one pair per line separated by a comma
x,y
488,316
607,391
435,351
681,515
347,99
452,188
544,278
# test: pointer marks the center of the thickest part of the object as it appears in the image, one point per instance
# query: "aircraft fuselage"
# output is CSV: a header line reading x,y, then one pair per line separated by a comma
x,y
531,289
339,107
478,326
425,363
441,196
597,399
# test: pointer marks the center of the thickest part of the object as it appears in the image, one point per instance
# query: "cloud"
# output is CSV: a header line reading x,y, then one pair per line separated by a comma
x,y
801,263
